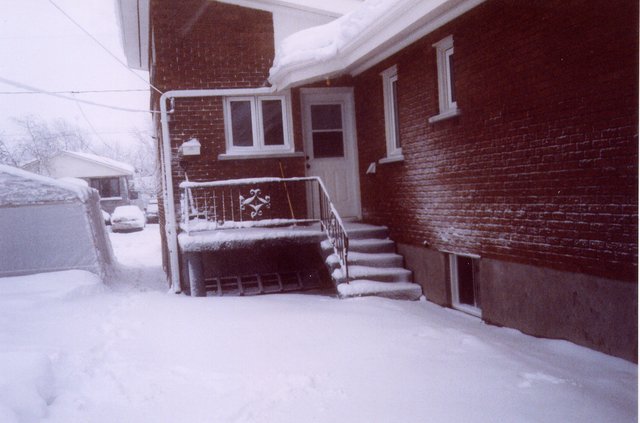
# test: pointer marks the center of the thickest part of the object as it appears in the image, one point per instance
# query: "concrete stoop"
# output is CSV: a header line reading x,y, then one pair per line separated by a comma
x,y
374,267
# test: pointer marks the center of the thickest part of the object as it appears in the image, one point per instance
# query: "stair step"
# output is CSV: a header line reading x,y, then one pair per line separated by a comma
x,y
363,231
395,290
372,246
375,259
381,274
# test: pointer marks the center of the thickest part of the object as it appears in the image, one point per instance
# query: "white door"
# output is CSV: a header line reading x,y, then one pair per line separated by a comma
x,y
330,145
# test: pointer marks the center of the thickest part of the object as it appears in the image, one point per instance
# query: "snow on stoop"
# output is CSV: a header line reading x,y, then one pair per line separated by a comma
x,y
395,290
374,266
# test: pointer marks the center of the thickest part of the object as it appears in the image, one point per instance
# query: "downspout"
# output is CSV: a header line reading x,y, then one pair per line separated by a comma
x,y
169,201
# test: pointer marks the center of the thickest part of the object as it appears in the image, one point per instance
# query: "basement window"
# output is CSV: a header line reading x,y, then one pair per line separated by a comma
x,y
465,287
257,125
447,102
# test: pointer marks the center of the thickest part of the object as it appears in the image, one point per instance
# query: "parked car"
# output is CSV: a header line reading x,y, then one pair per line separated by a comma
x,y
107,217
127,218
151,212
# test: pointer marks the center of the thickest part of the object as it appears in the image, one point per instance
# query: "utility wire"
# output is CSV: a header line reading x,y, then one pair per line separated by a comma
x,y
93,128
53,94
75,92
102,45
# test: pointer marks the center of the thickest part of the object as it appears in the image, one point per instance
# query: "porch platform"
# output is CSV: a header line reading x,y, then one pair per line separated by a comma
x,y
214,240
248,237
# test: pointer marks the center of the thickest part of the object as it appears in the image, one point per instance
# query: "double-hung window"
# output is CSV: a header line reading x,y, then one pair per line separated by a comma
x,y
257,125
392,128
448,106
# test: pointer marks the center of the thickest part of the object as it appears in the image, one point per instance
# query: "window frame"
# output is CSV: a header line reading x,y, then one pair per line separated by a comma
x,y
257,120
455,285
107,180
391,115
446,106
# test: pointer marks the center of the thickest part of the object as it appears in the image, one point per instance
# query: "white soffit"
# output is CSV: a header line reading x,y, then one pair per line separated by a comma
x,y
133,19
333,8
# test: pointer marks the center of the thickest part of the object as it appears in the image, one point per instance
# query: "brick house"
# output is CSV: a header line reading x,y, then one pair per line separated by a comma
x,y
508,178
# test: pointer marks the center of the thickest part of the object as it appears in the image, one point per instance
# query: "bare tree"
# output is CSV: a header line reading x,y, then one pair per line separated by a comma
x,y
7,156
42,140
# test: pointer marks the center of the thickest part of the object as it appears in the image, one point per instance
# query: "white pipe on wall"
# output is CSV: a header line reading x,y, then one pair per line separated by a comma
x,y
169,200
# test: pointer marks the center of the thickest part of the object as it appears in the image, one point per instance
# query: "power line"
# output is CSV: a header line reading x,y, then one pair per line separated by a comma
x,y
77,92
89,122
102,45
53,94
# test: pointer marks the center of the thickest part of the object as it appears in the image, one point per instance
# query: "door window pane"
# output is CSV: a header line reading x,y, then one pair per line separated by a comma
x,y
326,116
272,125
241,123
327,144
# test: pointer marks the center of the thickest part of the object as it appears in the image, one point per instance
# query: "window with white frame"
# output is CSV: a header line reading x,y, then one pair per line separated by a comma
x,y
392,128
447,103
465,286
257,125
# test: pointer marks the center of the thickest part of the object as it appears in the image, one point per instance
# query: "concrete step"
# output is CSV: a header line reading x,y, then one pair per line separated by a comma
x,y
381,274
363,231
395,290
372,246
375,259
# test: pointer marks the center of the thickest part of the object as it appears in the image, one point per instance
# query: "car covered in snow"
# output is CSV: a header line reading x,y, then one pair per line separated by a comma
x,y
127,218
151,212
106,217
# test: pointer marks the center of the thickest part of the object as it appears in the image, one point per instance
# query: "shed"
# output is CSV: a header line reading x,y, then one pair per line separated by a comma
x,y
50,225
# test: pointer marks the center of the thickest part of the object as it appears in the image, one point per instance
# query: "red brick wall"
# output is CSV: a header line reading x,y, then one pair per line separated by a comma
x,y
541,166
201,44
204,45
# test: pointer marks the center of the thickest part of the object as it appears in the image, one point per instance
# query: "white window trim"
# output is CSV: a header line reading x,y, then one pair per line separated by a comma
x,y
258,147
389,76
455,292
447,107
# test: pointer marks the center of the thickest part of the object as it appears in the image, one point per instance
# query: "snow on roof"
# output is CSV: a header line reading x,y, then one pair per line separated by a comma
x,y
327,7
105,161
325,41
22,187
360,38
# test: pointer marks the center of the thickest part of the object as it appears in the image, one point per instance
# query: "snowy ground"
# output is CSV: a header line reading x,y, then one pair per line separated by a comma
x,y
73,350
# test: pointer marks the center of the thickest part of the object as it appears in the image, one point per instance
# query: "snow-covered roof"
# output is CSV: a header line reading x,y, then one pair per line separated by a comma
x,y
104,161
21,187
359,39
333,8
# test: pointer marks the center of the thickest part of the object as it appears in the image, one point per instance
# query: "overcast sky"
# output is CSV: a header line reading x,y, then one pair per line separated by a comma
x,y
40,47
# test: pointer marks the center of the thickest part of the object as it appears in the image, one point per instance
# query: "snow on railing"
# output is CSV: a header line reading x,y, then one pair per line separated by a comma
x,y
261,202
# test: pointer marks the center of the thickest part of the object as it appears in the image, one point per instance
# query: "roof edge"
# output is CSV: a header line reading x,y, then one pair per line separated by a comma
x,y
403,25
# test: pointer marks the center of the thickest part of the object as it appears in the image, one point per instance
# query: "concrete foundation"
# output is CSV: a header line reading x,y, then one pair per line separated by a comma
x,y
595,312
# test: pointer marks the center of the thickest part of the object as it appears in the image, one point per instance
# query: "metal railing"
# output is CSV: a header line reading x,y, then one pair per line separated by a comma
x,y
263,202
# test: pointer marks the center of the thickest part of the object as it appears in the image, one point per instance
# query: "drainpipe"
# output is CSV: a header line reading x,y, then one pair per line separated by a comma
x,y
169,201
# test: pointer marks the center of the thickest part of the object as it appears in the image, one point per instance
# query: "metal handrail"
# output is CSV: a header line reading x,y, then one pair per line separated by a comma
x,y
330,221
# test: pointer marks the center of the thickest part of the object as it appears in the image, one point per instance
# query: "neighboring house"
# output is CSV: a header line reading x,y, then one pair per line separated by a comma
x,y
50,225
508,177
110,177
